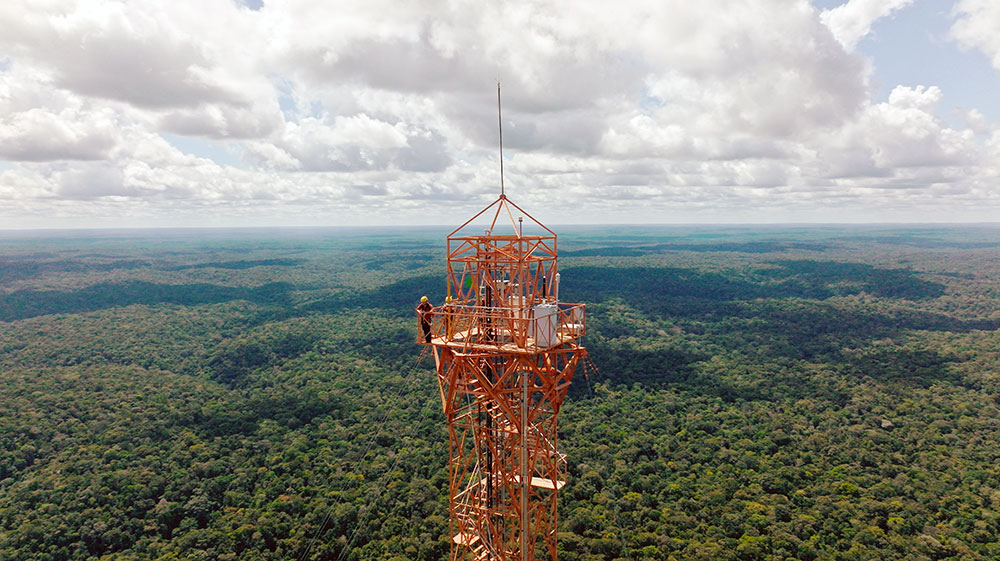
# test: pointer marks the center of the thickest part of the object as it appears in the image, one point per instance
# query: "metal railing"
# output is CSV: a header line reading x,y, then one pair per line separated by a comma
x,y
540,326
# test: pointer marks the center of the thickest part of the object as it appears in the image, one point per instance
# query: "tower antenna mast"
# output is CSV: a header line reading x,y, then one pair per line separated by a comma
x,y
500,128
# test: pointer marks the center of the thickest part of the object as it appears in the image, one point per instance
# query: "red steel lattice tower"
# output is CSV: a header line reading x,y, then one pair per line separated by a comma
x,y
505,349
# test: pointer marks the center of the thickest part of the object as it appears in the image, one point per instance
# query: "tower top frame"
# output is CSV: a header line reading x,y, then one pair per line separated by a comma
x,y
504,270
501,208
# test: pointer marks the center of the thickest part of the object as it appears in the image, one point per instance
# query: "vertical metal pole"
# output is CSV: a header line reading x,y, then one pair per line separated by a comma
x,y
525,476
500,125
524,276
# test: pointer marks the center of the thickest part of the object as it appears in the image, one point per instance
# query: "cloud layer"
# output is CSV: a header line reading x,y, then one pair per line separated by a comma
x,y
384,112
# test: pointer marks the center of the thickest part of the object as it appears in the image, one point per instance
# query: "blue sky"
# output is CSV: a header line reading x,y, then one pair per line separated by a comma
x,y
150,114
912,47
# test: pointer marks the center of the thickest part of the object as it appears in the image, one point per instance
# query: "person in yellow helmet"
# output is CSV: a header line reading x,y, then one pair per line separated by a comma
x,y
425,314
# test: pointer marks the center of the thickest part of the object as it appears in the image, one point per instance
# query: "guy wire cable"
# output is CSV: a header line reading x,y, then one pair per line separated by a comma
x,y
378,432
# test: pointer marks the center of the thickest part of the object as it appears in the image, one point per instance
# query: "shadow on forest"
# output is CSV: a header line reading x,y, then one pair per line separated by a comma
x,y
234,361
653,369
798,278
758,318
825,279
748,381
712,298
914,367
30,303
920,242
772,246
400,297
291,407
16,269
240,265
408,263
734,247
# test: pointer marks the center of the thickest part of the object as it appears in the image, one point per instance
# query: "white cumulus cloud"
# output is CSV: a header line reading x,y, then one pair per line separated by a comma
x,y
852,21
976,26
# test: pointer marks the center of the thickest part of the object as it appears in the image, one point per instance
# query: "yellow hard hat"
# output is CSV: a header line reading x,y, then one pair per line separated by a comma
x,y
423,298
447,299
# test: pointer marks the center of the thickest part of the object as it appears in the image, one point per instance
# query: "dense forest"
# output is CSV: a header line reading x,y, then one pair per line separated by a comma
x,y
760,393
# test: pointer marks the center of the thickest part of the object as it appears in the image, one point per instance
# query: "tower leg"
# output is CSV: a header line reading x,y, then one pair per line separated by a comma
x,y
505,469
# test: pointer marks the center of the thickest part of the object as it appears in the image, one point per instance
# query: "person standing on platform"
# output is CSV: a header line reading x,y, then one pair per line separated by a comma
x,y
425,314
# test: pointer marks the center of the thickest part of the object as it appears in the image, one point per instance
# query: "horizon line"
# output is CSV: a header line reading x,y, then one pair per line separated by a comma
x,y
557,224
